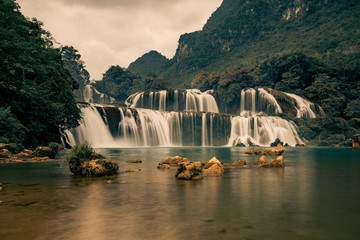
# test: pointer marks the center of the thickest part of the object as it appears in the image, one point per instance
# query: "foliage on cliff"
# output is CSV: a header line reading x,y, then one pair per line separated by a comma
x,y
72,62
120,83
35,88
149,63
241,34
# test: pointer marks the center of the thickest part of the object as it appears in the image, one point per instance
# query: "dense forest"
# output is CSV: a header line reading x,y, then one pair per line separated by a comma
x,y
36,91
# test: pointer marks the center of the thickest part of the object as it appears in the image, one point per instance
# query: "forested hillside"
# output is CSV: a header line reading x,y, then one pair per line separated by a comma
x,y
35,89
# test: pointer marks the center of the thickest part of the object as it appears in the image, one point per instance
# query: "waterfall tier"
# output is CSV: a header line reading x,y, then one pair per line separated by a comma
x,y
251,102
92,95
191,100
109,126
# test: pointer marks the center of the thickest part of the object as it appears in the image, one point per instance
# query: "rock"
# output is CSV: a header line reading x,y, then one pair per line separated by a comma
x,y
252,152
240,145
262,161
213,167
277,142
23,155
1,187
109,181
300,145
279,149
239,163
3,146
134,160
277,163
42,151
96,168
4,153
173,162
192,171
286,145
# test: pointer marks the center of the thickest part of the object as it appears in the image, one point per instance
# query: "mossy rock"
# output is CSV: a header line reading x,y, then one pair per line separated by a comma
x,y
95,168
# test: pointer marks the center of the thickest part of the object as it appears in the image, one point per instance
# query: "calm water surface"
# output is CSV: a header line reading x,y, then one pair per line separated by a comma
x,y
316,196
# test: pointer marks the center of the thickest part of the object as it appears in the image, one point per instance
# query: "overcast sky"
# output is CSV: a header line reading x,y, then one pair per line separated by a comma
x,y
117,32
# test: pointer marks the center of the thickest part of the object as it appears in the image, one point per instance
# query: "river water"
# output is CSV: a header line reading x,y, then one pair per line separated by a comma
x,y
316,196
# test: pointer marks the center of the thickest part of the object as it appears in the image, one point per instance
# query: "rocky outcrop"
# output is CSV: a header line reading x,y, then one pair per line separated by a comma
x,y
262,161
96,168
192,171
25,156
240,163
134,160
213,167
277,163
173,162
276,151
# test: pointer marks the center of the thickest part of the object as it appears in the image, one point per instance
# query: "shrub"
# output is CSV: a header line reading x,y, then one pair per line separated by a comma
x,y
42,151
14,147
84,161
55,147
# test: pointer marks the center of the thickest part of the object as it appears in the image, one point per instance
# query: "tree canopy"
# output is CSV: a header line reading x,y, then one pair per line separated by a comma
x,y
35,88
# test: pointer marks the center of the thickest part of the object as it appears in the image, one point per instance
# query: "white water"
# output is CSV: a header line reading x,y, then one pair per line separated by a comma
x,y
262,131
304,107
197,101
92,130
92,95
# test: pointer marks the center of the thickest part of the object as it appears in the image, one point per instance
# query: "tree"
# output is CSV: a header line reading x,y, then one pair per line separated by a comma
x,y
73,63
34,84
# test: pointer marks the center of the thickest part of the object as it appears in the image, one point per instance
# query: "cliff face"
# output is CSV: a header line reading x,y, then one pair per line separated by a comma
x,y
241,32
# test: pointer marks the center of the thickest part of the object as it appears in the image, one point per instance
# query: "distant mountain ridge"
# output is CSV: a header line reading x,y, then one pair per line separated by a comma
x,y
245,33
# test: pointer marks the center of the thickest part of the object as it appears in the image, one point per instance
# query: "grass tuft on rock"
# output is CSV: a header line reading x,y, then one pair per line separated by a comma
x,y
84,161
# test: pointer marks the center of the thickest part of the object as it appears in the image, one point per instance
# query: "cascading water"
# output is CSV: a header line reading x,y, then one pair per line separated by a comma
x,y
262,131
195,101
145,127
193,120
92,95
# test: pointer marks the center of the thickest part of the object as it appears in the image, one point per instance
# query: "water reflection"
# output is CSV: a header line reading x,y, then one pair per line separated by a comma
x,y
312,198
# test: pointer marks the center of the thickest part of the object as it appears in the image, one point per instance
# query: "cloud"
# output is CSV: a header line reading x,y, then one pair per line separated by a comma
x,y
117,32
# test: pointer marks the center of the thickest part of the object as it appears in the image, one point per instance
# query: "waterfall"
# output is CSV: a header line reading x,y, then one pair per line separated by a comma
x,y
305,108
92,130
195,101
198,101
260,130
191,118
92,95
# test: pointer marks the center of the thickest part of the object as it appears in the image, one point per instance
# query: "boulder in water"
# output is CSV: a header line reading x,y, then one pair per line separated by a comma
x,y
262,161
134,160
276,142
240,145
173,162
279,149
239,163
192,171
277,163
96,168
213,167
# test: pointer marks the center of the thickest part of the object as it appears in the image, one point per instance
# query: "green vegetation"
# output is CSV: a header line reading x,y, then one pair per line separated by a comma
x,y
120,83
76,67
149,63
36,96
84,161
